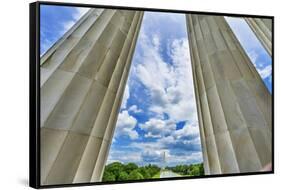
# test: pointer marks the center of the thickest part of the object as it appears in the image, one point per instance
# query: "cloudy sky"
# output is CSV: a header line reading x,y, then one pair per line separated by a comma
x,y
158,112
55,21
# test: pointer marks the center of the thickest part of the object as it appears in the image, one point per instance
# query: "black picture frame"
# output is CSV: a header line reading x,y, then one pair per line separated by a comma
x,y
34,93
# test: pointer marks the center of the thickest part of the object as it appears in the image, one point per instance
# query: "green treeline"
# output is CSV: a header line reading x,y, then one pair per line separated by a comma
x,y
117,171
188,170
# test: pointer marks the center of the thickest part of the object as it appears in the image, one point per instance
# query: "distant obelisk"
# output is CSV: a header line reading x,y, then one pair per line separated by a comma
x,y
164,160
84,74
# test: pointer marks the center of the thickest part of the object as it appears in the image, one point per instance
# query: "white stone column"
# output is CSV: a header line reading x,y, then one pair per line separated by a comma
x,y
83,77
233,104
262,28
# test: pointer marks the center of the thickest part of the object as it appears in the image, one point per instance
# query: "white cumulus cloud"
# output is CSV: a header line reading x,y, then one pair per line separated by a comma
x,y
125,125
170,86
158,127
265,72
134,109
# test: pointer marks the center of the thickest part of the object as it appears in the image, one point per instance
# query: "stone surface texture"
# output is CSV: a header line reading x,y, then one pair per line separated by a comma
x,y
84,74
233,104
262,27
83,77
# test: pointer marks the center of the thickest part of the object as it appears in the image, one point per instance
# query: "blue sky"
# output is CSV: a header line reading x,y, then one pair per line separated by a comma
x,y
55,21
158,112
254,49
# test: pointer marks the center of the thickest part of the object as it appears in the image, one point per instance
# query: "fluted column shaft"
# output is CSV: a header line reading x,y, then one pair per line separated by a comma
x,y
233,104
83,77
262,28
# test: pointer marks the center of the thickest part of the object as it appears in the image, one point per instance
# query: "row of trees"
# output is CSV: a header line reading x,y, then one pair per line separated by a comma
x,y
188,170
117,171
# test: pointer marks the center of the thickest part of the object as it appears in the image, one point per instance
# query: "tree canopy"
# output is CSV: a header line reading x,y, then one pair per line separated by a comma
x,y
117,171
188,170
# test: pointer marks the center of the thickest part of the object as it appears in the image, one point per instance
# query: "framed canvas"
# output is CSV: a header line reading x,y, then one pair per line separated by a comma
x,y
130,94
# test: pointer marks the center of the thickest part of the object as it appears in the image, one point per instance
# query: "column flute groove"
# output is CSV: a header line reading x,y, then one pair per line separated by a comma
x,y
262,28
80,92
224,75
213,161
215,122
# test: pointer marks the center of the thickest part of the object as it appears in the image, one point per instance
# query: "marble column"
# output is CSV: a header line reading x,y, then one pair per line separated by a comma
x,y
262,27
83,77
233,104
